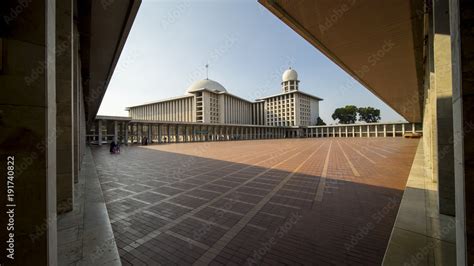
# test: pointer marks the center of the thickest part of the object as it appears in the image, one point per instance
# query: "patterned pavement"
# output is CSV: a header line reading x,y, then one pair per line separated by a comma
x,y
268,202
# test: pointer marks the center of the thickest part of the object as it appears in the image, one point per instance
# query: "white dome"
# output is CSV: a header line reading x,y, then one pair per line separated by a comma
x,y
206,84
289,74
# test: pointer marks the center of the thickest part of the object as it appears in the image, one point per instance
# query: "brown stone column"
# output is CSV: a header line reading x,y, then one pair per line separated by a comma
x,y
64,105
76,103
462,44
28,130
444,110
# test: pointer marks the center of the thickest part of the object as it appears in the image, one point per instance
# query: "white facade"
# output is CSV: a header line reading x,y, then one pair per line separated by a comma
x,y
207,101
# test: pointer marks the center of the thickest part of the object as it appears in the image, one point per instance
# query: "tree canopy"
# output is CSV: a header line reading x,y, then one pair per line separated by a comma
x,y
349,113
346,114
369,114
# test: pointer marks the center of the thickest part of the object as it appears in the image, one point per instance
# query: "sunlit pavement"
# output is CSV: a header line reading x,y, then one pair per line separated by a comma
x,y
294,201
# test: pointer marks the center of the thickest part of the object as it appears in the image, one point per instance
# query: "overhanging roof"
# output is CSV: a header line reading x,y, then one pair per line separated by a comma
x,y
379,43
103,28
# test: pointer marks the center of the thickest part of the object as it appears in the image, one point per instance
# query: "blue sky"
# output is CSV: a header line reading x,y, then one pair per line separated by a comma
x,y
247,49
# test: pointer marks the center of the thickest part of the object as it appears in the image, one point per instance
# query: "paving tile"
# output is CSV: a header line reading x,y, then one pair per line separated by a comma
x,y
273,202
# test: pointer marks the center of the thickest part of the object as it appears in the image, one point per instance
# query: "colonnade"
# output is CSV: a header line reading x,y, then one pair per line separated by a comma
x,y
127,131
175,133
364,130
141,132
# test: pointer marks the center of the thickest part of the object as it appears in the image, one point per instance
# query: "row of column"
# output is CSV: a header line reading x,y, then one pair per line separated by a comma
x,y
167,133
360,131
125,132
118,132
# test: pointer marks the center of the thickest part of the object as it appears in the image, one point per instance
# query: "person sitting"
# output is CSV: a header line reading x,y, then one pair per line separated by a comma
x,y
112,147
117,148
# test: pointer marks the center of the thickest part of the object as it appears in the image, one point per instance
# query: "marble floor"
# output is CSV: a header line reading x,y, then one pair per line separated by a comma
x,y
273,202
421,235
85,234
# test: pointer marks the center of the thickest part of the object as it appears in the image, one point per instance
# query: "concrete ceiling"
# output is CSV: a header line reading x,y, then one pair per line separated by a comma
x,y
379,43
103,28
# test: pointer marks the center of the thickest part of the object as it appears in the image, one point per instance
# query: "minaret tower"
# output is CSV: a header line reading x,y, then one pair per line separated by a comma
x,y
289,80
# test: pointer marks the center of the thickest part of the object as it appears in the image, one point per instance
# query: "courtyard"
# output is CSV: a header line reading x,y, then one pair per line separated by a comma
x,y
318,201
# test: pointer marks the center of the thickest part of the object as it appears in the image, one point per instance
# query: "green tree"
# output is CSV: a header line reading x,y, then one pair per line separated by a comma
x,y
346,114
369,114
320,122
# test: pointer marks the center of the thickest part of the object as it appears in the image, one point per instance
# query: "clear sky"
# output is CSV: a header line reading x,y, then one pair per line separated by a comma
x,y
247,49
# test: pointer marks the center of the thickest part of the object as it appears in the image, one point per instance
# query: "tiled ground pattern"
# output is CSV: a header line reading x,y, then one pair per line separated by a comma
x,y
271,202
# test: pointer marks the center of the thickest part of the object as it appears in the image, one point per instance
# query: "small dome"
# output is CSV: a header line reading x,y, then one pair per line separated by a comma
x,y
206,84
289,74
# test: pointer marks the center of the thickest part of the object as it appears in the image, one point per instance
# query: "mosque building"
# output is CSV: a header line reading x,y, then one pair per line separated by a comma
x,y
207,101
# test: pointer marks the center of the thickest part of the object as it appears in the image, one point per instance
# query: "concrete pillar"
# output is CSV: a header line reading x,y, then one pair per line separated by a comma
x,y
463,115
444,108
185,133
201,133
353,131
176,133
125,128
394,130
28,130
77,88
140,133
360,131
385,130
64,107
160,133
115,131
150,133
403,129
376,131
99,132
368,131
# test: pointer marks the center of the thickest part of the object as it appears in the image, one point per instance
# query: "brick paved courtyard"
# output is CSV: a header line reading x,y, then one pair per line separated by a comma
x,y
274,202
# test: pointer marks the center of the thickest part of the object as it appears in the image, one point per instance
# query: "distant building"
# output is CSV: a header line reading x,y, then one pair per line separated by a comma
x,y
207,101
